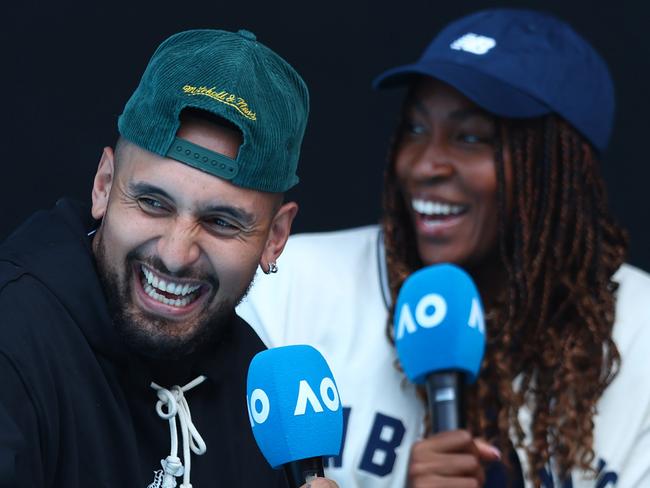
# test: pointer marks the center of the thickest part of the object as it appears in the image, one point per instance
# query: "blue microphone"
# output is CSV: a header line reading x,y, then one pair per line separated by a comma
x,y
295,410
440,338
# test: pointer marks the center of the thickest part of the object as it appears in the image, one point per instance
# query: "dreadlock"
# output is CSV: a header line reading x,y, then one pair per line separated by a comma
x,y
549,331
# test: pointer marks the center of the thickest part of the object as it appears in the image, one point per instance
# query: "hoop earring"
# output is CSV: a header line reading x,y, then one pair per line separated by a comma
x,y
273,268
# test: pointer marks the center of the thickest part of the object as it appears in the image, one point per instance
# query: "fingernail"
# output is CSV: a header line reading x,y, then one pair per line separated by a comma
x,y
496,452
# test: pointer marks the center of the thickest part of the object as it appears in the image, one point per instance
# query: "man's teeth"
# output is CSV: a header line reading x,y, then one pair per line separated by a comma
x,y
178,302
427,207
152,285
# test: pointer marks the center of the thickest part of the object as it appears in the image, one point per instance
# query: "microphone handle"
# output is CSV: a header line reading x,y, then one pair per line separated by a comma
x,y
446,402
303,470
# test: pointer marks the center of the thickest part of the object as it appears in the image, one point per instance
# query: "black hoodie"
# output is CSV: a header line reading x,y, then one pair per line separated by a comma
x,y
76,406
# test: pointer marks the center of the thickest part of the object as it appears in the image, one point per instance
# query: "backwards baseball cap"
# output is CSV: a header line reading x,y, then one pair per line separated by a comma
x,y
232,76
519,64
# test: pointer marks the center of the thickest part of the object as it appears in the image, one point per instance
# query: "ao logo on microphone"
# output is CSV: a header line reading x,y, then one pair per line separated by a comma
x,y
431,311
439,323
293,404
259,405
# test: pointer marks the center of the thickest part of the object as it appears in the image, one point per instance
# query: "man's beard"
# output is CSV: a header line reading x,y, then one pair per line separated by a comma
x,y
148,334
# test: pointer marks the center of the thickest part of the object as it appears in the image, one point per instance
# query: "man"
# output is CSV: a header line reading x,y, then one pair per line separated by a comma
x,y
118,324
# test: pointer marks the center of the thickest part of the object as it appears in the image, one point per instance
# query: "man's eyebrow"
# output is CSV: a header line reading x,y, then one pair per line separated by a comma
x,y
237,213
140,188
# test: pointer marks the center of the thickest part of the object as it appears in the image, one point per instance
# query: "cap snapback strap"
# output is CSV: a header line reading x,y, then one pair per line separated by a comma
x,y
203,159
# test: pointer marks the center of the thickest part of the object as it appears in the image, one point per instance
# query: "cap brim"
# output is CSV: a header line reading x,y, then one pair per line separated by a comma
x,y
488,92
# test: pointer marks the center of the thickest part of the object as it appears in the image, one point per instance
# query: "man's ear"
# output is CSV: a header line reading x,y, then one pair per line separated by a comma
x,y
103,183
278,234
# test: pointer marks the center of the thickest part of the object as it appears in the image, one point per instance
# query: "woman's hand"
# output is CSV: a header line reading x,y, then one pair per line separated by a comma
x,y
451,459
320,483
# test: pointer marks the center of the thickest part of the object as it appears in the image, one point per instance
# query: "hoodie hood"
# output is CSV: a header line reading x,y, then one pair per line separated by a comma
x,y
53,246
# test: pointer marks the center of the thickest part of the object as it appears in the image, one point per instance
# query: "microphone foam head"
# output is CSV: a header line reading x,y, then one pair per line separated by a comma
x,y
439,323
294,405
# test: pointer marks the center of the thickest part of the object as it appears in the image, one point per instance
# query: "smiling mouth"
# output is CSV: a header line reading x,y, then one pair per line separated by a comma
x,y
167,292
435,211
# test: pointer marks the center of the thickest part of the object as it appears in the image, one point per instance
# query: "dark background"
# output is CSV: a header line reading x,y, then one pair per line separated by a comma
x,y
69,67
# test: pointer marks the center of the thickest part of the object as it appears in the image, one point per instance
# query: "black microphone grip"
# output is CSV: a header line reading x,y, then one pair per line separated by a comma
x,y
446,402
299,471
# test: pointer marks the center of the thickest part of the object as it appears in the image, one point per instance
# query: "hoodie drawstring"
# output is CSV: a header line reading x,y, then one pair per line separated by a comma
x,y
176,406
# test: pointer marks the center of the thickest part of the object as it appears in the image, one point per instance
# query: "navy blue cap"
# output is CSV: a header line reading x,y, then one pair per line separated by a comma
x,y
520,64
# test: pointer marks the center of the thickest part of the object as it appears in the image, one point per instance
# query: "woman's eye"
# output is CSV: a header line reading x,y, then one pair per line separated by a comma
x,y
470,138
414,128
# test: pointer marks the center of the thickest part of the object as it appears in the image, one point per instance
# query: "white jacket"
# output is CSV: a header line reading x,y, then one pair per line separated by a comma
x,y
331,292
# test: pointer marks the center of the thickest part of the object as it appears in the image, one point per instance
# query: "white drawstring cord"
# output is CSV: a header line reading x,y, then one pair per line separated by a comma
x,y
177,406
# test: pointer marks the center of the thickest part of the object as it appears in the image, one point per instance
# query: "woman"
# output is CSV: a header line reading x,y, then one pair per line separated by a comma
x,y
494,167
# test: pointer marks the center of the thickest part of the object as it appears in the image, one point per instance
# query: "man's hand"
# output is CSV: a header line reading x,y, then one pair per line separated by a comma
x,y
450,459
320,483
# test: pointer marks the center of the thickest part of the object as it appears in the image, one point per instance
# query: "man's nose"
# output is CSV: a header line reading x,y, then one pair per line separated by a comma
x,y
178,247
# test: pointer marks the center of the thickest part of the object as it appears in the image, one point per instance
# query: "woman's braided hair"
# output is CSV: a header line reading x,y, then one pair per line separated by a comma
x,y
551,325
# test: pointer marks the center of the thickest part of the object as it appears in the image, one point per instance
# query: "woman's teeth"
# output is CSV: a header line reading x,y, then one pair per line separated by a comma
x,y
436,209
168,292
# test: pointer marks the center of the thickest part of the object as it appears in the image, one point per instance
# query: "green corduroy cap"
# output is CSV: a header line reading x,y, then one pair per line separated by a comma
x,y
233,76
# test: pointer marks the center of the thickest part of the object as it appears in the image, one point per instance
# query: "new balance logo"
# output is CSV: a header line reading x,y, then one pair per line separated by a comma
x,y
473,43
